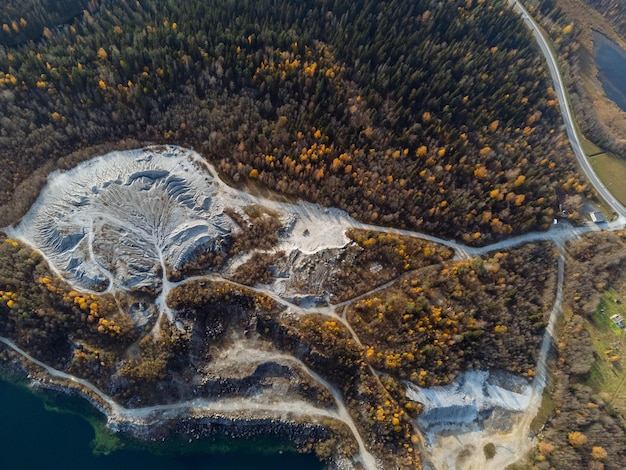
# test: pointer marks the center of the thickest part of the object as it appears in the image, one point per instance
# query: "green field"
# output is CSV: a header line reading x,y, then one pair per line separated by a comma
x,y
608,373
612,172
589,147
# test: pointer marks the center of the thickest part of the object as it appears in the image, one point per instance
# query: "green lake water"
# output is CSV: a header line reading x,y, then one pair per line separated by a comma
x,y
32,437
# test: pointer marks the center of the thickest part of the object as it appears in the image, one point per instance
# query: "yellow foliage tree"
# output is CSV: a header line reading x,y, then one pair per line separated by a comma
x,y
577,439
546,448
599,453
480,172
496,225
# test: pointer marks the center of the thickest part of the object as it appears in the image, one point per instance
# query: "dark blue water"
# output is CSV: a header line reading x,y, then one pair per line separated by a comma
x,y
611,62
32,437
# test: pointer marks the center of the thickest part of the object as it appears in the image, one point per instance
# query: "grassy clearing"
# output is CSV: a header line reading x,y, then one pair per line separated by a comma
x,y
612,172
589,147
545,410
608,373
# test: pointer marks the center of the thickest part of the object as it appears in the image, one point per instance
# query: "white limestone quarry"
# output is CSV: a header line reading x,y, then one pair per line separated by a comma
x,y
115,221
471,399
119,221
477,410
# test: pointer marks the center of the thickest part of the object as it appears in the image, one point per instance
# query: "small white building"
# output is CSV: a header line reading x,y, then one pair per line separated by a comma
x,y
618,320
597,217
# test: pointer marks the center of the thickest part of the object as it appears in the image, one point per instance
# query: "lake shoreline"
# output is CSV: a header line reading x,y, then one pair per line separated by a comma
x,y
610,60
180,437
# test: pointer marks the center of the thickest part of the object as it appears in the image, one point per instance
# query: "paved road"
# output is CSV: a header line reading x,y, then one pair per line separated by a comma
x,y
568,117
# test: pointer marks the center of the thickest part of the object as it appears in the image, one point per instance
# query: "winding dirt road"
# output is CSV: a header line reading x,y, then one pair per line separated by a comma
x,y
518,439
558,235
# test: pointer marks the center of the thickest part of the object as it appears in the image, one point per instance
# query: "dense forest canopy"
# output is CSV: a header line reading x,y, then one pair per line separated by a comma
x,y
615,12
42,15
435,116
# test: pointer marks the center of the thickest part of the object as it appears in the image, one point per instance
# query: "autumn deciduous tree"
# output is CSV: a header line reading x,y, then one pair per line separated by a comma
x,y
599,453
546,448
577,439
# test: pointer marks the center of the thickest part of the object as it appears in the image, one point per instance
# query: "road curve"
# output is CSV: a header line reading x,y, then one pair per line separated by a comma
x,y
568,117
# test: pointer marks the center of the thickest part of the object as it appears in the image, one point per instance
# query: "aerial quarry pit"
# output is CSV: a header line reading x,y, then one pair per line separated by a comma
x,y
167,256
372,233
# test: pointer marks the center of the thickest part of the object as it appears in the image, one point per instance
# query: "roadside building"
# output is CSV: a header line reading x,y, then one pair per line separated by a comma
x,y
597,217
618,320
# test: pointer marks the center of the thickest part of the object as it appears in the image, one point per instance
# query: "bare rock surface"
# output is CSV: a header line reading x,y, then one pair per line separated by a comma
x,y
118,219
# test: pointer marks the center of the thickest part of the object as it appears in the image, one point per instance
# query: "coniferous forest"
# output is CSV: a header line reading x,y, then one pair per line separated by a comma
x,y
437,117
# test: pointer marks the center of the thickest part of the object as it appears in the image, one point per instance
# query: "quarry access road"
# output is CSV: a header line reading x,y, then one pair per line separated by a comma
x,y
558,234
